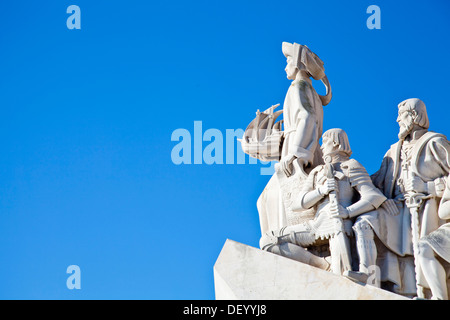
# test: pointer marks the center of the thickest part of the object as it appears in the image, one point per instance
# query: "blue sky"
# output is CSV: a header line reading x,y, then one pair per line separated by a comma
x,y
86,175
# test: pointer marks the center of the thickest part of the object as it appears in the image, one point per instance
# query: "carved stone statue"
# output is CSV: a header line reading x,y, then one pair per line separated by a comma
x,y
434,253
303,122
413,174
331,190
302,112
323,209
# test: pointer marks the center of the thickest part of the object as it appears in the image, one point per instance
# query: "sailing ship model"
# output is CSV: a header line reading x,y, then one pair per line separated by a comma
x,y
263,137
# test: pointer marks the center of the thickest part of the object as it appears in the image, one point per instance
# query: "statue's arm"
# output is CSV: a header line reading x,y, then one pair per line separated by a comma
x,y
440,149
312,193
306,135
379,176
307,200
370,196
444,207
303,144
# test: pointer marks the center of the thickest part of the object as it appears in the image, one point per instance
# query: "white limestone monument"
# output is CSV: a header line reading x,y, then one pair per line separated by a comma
x,y
329,230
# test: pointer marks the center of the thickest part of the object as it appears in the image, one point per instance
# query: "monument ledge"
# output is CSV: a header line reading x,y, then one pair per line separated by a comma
x,y
242,272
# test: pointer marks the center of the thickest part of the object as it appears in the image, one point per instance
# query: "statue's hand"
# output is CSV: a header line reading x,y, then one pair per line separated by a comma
x,y
416,184
286,164
330,185
339,212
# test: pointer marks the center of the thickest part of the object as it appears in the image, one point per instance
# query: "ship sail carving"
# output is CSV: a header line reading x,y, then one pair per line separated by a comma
x,y
263,137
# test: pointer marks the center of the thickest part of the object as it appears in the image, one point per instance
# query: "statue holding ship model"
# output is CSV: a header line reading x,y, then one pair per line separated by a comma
x,y
322,208
297,145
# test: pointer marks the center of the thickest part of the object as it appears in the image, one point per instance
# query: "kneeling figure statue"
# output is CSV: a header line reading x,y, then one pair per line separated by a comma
x,y
338,191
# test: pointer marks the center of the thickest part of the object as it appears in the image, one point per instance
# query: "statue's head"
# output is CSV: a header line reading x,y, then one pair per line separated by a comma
x,y
300,57
335,141
412,115
291,68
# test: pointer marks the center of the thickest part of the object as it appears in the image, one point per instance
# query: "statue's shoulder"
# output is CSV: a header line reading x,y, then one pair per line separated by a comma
x,y
430,140
392,151
301,84
394,146
352,164
355,171
435,137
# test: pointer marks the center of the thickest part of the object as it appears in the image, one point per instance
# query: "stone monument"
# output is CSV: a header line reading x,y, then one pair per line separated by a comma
x,y
329,230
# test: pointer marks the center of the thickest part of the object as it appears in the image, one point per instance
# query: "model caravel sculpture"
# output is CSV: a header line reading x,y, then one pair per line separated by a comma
x,y
366,218
263,137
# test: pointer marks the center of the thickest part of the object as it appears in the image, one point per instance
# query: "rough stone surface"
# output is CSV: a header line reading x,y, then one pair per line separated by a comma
x,y
247,273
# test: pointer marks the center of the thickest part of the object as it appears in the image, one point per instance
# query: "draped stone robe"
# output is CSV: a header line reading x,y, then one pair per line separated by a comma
x,y
430,160
303,126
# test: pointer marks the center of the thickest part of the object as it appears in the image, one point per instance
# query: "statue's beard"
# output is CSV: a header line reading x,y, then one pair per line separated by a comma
x,y
405,131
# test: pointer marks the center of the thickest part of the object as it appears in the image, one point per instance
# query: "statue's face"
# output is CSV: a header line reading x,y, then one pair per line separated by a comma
x,y
328,147
405,122
291,68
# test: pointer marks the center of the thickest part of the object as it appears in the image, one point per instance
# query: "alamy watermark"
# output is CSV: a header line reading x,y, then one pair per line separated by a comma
x,y
212,147
374,20
74,280
74,20
374,272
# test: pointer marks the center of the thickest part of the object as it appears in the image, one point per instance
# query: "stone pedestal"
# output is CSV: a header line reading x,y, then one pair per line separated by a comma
x,y
245,273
